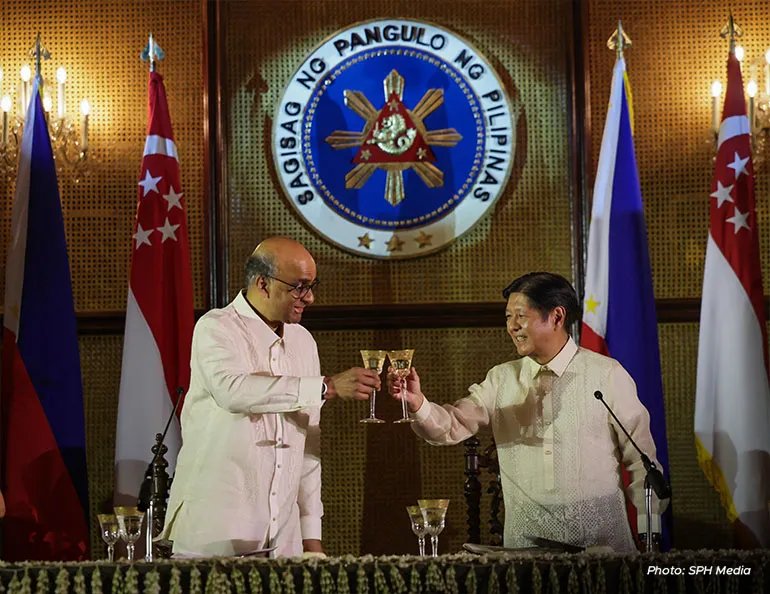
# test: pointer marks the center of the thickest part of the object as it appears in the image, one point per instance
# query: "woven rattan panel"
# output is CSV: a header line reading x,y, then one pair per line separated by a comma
x,y
100,360
530,228
699,520
370,472
99,41
676,55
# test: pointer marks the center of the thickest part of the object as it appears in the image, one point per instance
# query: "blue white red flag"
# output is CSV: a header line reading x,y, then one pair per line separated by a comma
x,y
619,317
45,482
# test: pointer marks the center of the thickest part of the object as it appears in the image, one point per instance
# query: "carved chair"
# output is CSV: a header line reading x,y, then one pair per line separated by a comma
x,y
474,462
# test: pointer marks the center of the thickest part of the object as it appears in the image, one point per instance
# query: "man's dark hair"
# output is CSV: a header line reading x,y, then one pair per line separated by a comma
x,y
547,291
259,265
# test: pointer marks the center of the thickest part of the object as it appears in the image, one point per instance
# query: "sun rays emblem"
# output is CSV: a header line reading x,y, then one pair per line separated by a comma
x,y
394,139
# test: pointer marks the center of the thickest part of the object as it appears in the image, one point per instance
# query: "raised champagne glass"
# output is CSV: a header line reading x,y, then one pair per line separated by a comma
x,y
373,359
434,512
108,526
401,361
418,526
129,526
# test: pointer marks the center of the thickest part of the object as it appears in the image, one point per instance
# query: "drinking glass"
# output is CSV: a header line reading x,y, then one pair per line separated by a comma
x,y
373,359
129,526
401,361
418,526
434,512
108,524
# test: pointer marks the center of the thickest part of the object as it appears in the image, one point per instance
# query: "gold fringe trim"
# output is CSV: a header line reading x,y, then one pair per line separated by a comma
x,y
717,479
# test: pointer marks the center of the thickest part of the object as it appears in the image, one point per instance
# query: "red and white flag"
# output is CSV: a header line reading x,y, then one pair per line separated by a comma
x,y
159,314
732,398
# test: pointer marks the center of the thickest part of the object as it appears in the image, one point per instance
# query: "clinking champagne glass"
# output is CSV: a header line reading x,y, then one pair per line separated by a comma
x,y
129,526
418,526
373,359
401,361
108,525
434,512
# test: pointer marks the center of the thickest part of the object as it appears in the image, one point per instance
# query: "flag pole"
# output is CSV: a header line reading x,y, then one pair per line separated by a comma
x,y
152,53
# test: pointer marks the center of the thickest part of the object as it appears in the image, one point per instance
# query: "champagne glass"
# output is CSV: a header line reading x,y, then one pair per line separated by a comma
x,y
418,526
129,526
108,524
401,361
434,512
373,359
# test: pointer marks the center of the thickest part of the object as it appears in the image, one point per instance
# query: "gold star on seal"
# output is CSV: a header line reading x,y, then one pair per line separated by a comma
x,y
365,241
421,152
591,304
423,240
366,154
394,244
393,105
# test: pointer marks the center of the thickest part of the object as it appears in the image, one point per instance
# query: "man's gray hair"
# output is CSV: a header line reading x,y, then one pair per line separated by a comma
x,y
259,265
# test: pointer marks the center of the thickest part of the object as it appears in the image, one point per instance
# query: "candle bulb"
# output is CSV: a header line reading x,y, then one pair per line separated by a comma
x,y
85,109
6,105
47,105
716,91
26,75
751,91
61,77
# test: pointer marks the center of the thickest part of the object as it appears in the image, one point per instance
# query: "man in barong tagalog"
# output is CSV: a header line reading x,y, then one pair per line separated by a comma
x,y
560,451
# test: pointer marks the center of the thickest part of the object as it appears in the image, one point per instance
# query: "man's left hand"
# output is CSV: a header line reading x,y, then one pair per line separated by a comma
x,y
312,546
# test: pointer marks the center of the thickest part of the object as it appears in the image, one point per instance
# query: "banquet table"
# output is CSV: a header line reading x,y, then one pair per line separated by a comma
x,y
723,571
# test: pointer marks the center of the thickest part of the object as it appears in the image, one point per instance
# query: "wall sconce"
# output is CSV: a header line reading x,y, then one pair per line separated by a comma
x,y
757,97
70,147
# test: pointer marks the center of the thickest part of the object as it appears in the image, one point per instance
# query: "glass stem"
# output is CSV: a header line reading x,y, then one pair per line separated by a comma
x,y
421,545
403,400
434,545
110,553
371,404
130,548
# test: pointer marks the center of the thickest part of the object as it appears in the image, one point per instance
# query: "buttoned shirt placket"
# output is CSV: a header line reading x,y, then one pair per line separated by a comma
x,y
277,354
544,379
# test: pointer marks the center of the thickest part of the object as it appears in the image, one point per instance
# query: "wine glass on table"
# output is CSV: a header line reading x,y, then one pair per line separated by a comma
x,y
434,512
129,526
401,362
418,526
108,525
375,360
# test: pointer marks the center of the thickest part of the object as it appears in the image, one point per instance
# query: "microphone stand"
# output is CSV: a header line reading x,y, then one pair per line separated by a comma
x,y
653,480
148,490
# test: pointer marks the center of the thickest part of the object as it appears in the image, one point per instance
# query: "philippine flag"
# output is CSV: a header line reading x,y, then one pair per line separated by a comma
x,y
619,317
45,483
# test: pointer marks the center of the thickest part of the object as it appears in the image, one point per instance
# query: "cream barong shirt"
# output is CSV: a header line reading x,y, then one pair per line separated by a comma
x,y
248,475
559,450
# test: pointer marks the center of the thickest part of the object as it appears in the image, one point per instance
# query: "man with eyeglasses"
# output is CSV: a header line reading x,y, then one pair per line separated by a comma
x,y
248,475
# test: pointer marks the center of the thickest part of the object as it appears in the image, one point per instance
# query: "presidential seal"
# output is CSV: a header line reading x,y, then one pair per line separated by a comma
x,y
393,138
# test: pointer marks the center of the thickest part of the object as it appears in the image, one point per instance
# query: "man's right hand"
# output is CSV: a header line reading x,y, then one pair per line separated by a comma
x,y
356,383
414,395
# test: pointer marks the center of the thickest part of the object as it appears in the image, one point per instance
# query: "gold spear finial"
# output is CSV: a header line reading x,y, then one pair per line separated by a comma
x,y
731,29
618,41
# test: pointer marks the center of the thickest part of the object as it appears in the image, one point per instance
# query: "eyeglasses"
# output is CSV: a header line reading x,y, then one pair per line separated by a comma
x,y
300,289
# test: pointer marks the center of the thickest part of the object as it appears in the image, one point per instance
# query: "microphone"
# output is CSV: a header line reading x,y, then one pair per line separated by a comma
x,y
654,477
145,490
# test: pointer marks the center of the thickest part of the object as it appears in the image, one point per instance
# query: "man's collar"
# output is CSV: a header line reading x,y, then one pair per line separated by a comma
x,y
559,363
246,309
